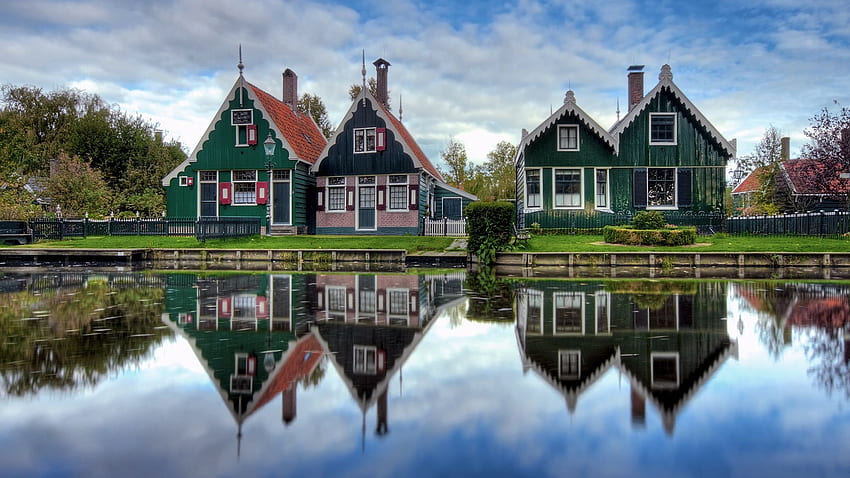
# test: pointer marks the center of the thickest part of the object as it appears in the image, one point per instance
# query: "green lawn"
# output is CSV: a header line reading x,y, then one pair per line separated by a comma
x,y
408,243
412,244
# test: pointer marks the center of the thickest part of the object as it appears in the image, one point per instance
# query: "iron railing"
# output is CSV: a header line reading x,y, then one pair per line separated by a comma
x,y
202,228
822,224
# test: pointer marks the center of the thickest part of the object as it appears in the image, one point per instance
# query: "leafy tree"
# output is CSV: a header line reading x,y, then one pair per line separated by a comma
x,y
765,160
77,188
15,201
372,84
830,149
455,167
315,107
500,173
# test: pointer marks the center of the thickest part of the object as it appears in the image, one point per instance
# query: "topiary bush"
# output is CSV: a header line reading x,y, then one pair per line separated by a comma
x,y
490,228
648,220
674,236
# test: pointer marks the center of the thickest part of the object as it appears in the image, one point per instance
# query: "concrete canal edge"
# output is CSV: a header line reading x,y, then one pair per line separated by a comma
x,y
663,263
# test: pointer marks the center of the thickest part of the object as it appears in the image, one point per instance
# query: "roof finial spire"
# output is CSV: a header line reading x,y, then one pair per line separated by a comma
x,y
618,108
363,69
240,65
400,107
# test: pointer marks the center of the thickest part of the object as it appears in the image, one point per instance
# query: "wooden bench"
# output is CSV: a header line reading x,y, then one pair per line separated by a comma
x,y
15,232
521,235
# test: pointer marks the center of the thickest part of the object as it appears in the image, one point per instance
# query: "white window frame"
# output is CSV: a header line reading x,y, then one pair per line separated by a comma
x,y
252,183
533,299
539,189
675,299
365,359
398,317
241,128
575,297
365,134
662,207
567,127
336,293
567,374
398,186
602,307
335,188
652,142
607,206
665,384
280,315
580,204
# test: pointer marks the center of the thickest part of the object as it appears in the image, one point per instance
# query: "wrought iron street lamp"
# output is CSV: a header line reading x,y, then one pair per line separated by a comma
x,y
269,146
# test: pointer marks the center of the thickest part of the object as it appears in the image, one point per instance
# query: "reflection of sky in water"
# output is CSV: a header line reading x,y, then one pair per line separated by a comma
x,y
461,406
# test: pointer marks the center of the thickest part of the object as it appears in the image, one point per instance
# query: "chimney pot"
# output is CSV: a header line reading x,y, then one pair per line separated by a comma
x,y
381,68
785,148
290,88
635,85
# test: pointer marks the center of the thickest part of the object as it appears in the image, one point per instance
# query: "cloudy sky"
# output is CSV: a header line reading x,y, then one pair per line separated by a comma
x,y
478,71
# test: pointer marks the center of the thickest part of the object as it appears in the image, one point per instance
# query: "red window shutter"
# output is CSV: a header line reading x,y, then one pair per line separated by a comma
x,y
320,199
262,306
382,197
225,193
224,307
414,192
252,134
349,198
380,139
262,192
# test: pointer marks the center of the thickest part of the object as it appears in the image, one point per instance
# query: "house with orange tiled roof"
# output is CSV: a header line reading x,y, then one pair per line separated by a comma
x,y
373,178
228,174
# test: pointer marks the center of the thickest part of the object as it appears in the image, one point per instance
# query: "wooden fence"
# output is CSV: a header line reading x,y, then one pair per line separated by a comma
x,y
823,224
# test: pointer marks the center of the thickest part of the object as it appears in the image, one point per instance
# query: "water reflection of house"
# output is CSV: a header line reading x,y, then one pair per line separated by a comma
x,y
370,325
666,338
242,329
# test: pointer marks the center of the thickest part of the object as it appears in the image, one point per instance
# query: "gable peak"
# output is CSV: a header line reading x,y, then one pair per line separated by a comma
x,y
666,73
570,97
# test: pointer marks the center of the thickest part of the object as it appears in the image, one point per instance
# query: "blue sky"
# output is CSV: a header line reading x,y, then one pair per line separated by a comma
x,y
476,71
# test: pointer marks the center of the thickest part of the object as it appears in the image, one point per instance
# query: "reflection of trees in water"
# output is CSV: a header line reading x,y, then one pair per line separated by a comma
x,y
64,340
490,298
828,364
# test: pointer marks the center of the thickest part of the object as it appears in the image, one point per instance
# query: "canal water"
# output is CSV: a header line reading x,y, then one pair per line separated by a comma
x,y
436,374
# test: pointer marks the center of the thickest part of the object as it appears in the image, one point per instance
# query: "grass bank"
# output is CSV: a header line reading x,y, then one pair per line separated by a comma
x,y
715,243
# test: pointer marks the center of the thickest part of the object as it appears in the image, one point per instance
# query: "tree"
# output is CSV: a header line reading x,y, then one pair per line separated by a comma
x,y
829,149
765,160
500,172
77,188
314,106
455,167
372,84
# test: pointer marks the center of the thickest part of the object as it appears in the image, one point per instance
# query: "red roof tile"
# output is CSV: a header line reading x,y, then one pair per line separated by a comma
x,y
299,130
300,362
750,184
809,177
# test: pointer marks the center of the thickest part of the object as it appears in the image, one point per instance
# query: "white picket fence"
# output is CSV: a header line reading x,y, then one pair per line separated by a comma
x,y
445,227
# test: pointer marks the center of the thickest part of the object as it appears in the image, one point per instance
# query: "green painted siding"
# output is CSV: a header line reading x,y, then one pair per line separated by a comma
x,y
592,152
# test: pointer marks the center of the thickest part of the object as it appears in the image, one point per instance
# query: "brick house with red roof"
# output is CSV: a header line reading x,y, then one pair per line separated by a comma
x,y
228,175
373,178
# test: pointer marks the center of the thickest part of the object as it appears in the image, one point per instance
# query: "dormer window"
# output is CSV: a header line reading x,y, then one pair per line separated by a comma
x,y
662,128
364,140
567,137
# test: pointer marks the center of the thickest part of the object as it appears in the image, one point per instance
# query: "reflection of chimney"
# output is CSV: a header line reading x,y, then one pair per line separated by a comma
x,y
290,88
785,149
635,85
289,404
382,66
638,409
382,427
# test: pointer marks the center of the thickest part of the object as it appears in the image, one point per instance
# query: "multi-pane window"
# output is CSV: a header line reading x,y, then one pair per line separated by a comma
x,y
601,188
569,313
244,187
365,359
336,194
661,187
568,138
335,303
398,301
532,188
568,188
534,312
569,364
398,192
208,176
664,368
662,128
364,140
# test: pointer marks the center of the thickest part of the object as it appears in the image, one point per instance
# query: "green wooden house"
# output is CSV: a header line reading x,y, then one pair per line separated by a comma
x,y
373,178
662,155
229,175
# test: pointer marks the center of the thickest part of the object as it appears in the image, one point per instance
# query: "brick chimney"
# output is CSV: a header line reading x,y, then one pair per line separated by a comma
x,y
635,85
381,67
785,148
290,88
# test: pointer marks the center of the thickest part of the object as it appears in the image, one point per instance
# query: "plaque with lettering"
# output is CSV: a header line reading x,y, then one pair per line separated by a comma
x,y
241,117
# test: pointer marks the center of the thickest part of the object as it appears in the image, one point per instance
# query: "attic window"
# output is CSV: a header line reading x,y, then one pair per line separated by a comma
x,y
662,128
568,137
364,140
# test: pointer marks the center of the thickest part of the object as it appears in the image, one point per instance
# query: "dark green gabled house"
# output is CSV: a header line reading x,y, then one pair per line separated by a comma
x,y
228,175
662,155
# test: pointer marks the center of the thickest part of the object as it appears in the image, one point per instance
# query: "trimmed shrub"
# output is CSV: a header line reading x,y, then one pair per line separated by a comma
x,y
490,228
648,220
679,236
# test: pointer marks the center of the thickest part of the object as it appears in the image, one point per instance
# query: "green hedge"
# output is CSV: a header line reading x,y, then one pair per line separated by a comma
x,y
678,236
490,226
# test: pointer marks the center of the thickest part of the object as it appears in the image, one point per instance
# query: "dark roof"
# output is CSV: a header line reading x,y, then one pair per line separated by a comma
x,y
804,176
